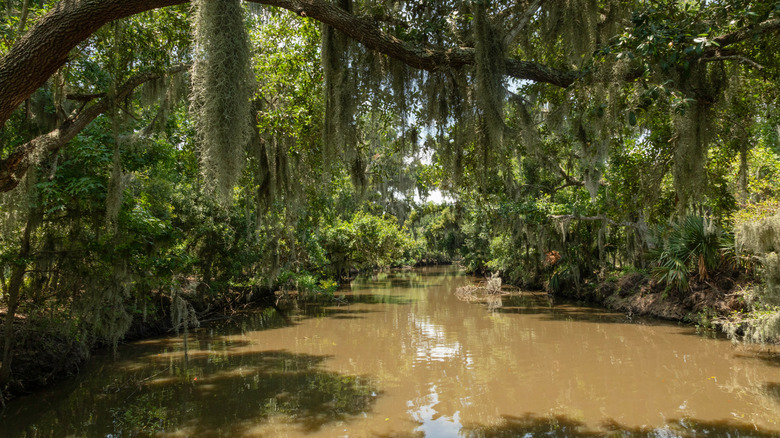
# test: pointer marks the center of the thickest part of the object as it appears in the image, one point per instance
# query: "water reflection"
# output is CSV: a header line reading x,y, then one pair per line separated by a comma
x,y
224,389
400,355
432,422
221,393
530,425
431,343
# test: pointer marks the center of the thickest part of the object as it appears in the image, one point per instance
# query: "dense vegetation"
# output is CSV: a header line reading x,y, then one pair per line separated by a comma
x,y
181,159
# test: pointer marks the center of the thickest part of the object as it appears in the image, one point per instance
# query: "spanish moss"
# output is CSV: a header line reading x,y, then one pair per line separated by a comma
x,y
221,90
490,94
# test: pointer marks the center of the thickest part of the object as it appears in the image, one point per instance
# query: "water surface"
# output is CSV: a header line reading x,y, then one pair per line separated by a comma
x,y
399,355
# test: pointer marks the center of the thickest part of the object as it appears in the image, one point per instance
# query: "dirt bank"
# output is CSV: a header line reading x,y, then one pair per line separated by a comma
x,y
640,295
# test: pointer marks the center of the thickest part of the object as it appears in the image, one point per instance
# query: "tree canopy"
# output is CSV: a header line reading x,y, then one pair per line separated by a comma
x,y
578,45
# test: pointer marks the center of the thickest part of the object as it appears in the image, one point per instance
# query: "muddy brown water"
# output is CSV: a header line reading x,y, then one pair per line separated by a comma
x,y
400,356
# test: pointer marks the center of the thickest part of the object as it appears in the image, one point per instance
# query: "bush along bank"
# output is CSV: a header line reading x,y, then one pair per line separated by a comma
x,y
691,270
84,290
705,276
45,352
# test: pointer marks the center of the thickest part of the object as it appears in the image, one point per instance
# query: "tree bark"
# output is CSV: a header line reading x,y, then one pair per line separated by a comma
x,y
742,176
46,45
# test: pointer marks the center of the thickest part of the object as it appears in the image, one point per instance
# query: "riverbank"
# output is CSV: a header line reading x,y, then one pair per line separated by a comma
x,y
47,353
640,295
717,304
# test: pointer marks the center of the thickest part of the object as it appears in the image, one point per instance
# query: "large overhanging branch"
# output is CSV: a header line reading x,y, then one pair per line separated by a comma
x,y
740,35
366,32
600,218
13,168
45,47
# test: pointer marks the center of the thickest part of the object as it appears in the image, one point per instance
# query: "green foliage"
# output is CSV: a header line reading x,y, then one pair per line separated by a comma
x,y
763,325
763,183
309,287
757,233
436,229
692,246
563,276
365,242
477,234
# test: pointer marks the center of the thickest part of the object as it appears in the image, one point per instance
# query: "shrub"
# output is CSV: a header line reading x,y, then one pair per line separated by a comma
x,y
695,245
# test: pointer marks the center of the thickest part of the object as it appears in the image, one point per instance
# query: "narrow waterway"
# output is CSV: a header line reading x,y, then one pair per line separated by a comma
x,y
400,356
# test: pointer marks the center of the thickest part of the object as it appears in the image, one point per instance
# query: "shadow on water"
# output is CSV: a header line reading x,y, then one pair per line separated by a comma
x,y
384,285
341,313
768,357
219,387
325,308
773,391
404,279
530,425
269,318
219,390
381,299
539,304
278,317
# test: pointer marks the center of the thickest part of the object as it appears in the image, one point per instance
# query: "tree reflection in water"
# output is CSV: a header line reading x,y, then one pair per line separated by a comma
x,y
220,392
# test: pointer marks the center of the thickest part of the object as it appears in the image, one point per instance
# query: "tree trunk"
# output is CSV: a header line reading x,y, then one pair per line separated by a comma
x,y
742,182
12,297
37,54
23,18
14,167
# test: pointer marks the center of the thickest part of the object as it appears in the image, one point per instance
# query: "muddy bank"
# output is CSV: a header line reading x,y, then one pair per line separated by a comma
x,y
639,295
